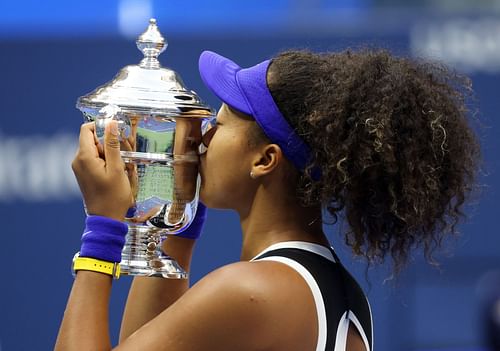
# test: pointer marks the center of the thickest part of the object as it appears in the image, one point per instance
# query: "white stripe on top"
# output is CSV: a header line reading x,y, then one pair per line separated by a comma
x,y
342,331
357,323
318,298
347,317
311,247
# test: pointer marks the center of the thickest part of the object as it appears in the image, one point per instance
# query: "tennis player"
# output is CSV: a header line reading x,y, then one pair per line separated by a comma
x,y
301,139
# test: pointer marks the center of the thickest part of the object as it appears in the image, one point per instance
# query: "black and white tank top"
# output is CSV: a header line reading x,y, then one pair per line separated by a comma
x,y
338,298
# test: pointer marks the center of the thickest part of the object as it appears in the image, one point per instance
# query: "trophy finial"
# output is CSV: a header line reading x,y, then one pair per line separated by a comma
x,y
152,44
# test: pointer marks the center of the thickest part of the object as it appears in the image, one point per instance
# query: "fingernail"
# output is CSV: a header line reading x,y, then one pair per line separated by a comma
x,y
113,128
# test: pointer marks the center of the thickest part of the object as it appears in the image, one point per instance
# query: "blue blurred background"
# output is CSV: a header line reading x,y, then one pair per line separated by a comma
x,y
54,51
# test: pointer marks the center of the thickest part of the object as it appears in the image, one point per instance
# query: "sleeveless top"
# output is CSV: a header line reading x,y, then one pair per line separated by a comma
x,y
338,298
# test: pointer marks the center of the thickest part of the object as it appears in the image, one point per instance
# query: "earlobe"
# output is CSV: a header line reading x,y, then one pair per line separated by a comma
x,y
268,159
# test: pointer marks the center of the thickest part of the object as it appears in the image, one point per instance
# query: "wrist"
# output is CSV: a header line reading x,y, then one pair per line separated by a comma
x,y
114,216
94,265
103,238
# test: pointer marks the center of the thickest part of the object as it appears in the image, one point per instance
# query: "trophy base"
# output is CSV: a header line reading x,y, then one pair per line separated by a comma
x,y
143,256
163,267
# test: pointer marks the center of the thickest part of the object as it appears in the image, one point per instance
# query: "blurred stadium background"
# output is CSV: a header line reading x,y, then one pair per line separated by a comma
x,y
54,51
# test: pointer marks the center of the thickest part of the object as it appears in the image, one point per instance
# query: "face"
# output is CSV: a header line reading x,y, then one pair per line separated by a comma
x,y
226,164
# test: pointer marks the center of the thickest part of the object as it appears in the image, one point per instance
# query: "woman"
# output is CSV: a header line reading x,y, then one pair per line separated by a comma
x,y
383,141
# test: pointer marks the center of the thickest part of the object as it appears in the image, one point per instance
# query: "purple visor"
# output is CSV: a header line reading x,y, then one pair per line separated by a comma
x,y
245,89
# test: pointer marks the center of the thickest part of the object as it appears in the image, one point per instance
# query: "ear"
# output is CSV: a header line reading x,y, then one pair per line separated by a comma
x,y
267,160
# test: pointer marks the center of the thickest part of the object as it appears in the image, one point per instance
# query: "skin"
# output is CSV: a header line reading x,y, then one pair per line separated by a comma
x,y
241,306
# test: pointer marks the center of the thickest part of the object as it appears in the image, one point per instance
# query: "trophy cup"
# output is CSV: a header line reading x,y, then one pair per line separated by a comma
x,y
160,124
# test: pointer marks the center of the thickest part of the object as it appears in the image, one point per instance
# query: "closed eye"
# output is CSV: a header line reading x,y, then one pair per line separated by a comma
x,y
207,137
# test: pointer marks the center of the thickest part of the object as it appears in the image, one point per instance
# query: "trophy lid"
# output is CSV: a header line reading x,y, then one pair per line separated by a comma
x,y
147,88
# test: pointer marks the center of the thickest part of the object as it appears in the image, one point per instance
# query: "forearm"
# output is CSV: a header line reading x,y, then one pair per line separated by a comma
x,y
148,297
85,324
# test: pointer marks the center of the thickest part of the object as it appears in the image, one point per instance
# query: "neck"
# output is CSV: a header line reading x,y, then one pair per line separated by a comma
x,y
273,218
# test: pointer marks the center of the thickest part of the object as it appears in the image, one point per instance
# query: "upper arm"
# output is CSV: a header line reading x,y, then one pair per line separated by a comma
x,y
223,309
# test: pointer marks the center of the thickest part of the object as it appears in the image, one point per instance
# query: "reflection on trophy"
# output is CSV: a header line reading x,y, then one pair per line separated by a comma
x,y
160,123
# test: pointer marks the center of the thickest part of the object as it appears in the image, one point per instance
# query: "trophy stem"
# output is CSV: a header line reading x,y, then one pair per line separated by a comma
x,y
143,256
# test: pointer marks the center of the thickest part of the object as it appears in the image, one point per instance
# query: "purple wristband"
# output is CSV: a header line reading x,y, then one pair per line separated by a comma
x,y
103,238
196,226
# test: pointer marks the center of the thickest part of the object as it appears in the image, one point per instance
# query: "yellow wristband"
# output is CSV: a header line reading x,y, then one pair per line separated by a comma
x,y
95,265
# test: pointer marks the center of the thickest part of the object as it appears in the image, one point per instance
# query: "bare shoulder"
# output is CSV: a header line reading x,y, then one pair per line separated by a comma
x,y
270,296
259,277
241,306
253,290
261,283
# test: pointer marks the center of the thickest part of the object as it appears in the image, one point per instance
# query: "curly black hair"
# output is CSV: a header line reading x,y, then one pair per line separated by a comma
x,y
393,139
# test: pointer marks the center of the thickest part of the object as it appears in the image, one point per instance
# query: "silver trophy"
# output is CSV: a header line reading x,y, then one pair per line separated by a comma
x,y
160,123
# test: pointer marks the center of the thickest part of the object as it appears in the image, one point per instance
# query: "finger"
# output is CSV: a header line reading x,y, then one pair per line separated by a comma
x,y
196,131
112,155
100,150
125,145
98,144
96,139
87,147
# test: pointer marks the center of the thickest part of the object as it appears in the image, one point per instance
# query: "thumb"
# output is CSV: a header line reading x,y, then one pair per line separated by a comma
x,y
112,147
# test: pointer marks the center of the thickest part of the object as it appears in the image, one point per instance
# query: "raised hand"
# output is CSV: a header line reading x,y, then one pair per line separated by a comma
x,y
101,174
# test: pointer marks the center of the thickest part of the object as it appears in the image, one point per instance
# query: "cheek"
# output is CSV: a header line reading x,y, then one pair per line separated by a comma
x,y
224,174
225,152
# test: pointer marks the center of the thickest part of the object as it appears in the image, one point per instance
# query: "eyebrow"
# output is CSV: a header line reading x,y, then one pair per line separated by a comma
x,y
219,120
239,114
225,108
233,113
